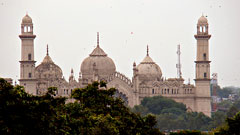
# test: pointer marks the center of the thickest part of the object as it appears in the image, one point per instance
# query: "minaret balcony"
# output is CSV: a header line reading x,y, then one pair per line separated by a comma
x,y
202,36
27,36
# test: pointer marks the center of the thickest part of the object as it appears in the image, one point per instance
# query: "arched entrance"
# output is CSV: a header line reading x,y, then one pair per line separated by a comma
x,y
122,96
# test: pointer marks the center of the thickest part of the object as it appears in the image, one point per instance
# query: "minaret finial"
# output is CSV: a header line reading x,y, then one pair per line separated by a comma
x,y
147,51
47,50
97,39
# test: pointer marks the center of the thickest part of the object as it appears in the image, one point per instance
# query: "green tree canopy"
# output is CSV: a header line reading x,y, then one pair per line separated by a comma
x,y
22,113
95,111
172,115
99,107
157,104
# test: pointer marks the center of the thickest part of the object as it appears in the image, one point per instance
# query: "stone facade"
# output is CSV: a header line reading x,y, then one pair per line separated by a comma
x,y
147,80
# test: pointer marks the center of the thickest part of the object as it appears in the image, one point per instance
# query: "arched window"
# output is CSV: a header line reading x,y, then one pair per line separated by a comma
x,y
29,56
29,28
29,75
205,75
152,91
200,28
25,28
204,56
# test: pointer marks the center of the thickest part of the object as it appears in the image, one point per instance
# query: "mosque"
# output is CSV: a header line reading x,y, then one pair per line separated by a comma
x,y
147,80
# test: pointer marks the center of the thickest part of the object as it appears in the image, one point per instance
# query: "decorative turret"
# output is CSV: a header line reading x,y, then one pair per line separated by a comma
x,y
135,70
71,77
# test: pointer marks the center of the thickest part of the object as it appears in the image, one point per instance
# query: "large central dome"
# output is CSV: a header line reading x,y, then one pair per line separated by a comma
x,y
98,63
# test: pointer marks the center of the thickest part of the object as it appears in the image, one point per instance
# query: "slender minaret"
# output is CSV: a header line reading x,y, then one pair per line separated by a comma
x,y
27,63
202,80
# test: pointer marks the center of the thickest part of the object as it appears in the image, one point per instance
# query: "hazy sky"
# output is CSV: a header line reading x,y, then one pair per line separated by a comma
x,y
126,27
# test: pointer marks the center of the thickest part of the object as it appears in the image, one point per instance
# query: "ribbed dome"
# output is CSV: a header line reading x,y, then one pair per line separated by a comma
x,y
97,62
47,69
202,20
149,70
27,19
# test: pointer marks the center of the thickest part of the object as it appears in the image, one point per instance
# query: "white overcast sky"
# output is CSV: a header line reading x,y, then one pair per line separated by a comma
x,y
126,27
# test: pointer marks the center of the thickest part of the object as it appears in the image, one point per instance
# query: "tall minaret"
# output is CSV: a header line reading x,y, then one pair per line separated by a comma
x,y
202,80
27,63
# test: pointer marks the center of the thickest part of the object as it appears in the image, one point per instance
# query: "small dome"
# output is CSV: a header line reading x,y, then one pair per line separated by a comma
x,y
149,70
27,19
47,69
202,20
97,62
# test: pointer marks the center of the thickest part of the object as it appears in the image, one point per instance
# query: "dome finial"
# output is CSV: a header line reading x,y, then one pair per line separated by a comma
x,y
47,50
97,39
147,51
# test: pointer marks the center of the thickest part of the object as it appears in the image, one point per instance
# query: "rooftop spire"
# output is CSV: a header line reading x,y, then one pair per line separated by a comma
x,y
147,51
97,39
47,50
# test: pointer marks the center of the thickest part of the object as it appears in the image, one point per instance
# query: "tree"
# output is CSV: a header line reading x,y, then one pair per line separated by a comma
x,y
22,113
218,119
157,104
231,127
172,115
96,106
224,92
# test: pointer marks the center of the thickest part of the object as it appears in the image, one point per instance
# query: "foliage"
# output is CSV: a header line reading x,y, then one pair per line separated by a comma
x,y
187,132
22,113
224,92
95,111
224,105
172,115
231,127
101,113
157,104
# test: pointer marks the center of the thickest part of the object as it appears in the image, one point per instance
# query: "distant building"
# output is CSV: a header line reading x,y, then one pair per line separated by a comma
x,y
147,80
